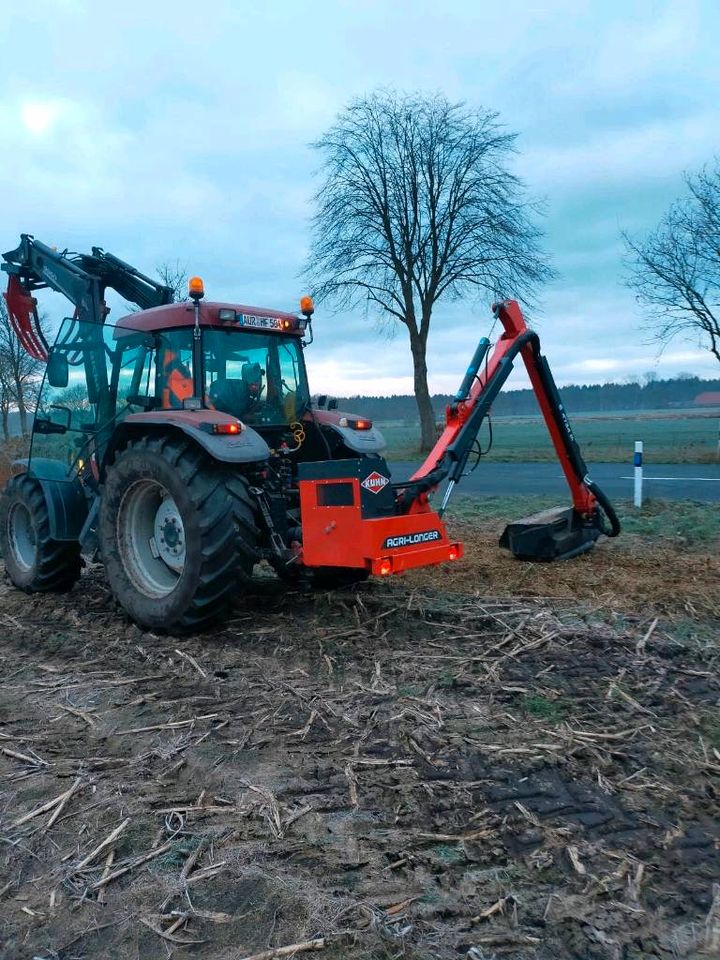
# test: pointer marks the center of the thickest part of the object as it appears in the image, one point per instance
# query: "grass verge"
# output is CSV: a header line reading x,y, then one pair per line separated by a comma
x,y
682,523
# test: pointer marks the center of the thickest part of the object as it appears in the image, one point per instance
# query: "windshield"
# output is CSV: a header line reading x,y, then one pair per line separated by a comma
x,y
259,378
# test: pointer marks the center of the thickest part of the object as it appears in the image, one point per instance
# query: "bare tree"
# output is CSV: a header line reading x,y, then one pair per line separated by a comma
x,y
676,270
74,398
417,204
174,274
5,397
20,374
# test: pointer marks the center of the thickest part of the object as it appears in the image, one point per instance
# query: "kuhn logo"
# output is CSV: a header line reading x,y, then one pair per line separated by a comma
x,y
410,539
375,482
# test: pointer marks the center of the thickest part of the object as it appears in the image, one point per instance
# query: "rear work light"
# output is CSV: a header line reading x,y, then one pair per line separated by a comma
x,y
227,315
355,424
227,429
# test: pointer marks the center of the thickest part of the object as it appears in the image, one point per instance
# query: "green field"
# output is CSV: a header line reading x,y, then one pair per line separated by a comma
x,y
681,437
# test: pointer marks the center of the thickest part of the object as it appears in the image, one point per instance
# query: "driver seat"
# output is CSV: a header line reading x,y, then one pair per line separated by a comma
x,y
230,396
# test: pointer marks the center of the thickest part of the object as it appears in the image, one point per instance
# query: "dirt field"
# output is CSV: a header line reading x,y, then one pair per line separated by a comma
x,y
497,760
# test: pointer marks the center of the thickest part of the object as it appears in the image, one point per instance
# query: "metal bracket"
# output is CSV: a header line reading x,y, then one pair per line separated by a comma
x,y
278,544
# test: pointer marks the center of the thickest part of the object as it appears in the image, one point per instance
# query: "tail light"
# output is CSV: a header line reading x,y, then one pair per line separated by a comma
x,y
229,429
355,424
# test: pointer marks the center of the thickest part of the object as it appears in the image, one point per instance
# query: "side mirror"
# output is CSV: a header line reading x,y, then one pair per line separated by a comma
x,y
41,425
61,415
58,371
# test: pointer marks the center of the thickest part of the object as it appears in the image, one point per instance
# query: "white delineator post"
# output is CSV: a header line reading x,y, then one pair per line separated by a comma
x,y
637,462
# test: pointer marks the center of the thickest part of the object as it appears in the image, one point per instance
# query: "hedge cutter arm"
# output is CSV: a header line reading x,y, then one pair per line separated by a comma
x,y
591,513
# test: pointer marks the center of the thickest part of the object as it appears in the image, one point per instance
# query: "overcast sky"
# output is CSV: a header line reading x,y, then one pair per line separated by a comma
x,y
164,130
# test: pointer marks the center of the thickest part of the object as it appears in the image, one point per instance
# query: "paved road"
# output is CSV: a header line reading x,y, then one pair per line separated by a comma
x,y
670,481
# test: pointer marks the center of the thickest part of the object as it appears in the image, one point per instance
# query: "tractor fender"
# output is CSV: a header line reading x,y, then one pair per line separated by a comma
x,y
361,441
65,498
245,447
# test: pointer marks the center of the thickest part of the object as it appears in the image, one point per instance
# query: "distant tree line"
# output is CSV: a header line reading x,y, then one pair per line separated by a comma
x,y
651,394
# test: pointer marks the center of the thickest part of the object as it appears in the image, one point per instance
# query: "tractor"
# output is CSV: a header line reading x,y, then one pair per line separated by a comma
x,y
181,447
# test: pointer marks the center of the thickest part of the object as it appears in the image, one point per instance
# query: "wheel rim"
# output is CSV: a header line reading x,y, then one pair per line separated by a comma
x,y
21,531
151,538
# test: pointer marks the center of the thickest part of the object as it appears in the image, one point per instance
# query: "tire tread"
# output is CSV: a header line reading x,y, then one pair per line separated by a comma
x,y
227,551
59,563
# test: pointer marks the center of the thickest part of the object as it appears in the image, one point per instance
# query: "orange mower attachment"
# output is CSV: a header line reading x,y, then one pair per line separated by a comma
x,y
349,519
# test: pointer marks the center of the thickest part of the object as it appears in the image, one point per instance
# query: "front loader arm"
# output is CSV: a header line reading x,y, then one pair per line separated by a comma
x,y
83,279
126,280
464,416
38,266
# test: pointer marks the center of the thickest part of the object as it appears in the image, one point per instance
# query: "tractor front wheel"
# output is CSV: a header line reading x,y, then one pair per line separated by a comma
x,y
34,561
169,535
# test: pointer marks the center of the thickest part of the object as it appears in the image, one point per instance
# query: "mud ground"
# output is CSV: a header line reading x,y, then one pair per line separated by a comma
x,y
494,760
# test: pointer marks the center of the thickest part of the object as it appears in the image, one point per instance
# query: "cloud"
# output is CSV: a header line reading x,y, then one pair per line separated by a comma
x,y
611,157
40,117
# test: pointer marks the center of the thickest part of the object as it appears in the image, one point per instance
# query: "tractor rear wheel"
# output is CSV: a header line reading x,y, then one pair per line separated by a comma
x,y
34,561
176,532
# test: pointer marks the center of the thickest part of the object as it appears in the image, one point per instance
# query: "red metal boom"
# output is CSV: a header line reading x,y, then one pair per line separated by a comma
x,y
517,337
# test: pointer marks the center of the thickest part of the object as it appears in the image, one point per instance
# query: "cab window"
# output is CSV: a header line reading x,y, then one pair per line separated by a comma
x,y
173,368
259,378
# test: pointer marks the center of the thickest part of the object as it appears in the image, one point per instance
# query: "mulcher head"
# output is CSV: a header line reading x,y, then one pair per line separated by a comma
x,y
555,534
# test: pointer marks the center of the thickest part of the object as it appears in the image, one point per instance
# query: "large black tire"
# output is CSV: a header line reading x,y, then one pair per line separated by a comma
x,y
168,490
34,561
244,508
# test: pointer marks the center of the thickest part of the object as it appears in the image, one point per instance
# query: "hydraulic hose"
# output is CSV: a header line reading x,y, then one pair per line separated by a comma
x,y
451,464
607,509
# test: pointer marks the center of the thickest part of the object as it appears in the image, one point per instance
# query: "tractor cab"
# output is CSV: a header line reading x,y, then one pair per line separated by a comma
x,y
257,377
243,361
251,368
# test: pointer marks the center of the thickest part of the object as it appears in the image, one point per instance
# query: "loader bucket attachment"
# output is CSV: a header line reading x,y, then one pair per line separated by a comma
x,y
559,533
22,311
